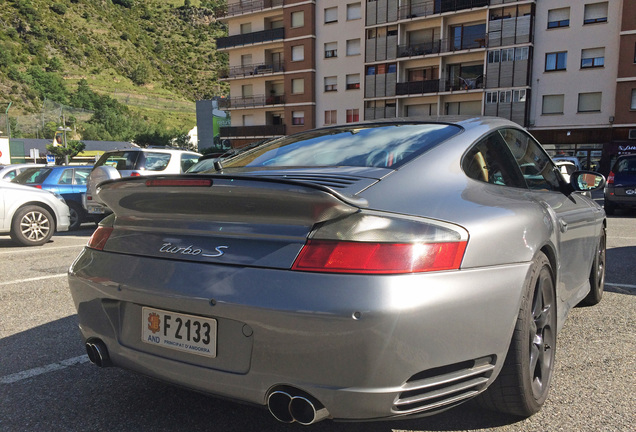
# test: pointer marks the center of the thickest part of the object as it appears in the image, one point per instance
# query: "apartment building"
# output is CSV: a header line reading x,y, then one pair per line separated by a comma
x,y
574,77
565,70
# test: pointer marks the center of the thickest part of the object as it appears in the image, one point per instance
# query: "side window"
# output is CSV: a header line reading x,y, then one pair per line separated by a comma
x,y
187,160
536,166
490,161
66,178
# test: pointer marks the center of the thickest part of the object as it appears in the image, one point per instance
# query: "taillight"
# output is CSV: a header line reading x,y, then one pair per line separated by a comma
x,y
610,178
38,186
99,238
368,243
135,174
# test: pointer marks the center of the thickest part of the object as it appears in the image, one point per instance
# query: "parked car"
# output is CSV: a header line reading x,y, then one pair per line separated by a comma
x,y
571,159
364,271
31,216
68,181
133,163
566,168
620,191
8,172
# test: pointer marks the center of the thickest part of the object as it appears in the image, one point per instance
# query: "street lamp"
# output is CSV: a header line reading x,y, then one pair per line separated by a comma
x,y
64,129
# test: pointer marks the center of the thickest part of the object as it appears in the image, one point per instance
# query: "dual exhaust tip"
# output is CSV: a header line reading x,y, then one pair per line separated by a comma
x,y
291,405
97,352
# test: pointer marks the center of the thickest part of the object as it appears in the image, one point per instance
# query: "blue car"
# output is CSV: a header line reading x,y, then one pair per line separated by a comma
x,y
68,181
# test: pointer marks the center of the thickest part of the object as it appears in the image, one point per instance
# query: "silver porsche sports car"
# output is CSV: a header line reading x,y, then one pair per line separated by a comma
x,y
364,271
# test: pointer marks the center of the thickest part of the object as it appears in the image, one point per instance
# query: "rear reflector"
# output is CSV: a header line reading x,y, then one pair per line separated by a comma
x,y
378,258
610,178
99,238
178,182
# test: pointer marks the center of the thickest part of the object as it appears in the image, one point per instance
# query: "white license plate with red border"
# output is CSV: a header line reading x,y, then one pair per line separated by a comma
x,y
187,333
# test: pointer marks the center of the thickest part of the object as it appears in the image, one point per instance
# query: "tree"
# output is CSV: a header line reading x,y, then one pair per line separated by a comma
x,y
72,149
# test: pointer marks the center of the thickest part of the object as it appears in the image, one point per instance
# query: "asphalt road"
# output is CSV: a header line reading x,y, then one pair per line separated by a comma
x,y
47,384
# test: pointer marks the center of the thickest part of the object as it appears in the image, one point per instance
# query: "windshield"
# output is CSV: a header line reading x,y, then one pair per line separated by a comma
x,y
362,145
32,176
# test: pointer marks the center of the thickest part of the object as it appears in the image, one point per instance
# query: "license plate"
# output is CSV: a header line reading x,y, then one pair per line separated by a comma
x,y
188,333
95,210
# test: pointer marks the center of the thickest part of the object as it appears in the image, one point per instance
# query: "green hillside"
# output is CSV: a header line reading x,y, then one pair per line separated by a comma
x,y
155,57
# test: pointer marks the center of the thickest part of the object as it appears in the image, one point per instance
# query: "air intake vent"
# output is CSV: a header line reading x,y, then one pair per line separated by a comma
x,y
632,134
439,388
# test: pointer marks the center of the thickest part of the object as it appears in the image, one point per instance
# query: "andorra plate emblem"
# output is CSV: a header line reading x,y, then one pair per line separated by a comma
x,y
154,323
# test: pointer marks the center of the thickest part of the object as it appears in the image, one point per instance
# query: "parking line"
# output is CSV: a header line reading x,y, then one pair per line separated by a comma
x,y
10,379
33,279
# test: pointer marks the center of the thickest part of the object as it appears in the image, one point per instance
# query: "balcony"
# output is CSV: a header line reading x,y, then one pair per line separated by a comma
x,y
418,87
443,46
252,131
253,101
252,69
243,7
251,38
431,7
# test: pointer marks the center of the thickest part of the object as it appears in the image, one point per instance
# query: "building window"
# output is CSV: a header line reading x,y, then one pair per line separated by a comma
x,y
298,86
298,53
353,11
556,61
331,117
519,95
353,82
353,47
331,49
505,96
247,91
589,102
633,104
298,118
559,18
331,84
492,97
246,60
521,53
297,19
507,54
592,57
595,13
331,15
552,104
493,56
246,28
353,115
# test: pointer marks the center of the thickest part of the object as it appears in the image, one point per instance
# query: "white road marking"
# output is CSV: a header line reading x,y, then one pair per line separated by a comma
x,y
46,249
10,379
19,281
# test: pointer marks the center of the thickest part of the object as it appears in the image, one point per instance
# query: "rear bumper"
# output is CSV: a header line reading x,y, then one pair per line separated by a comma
x,y
365,347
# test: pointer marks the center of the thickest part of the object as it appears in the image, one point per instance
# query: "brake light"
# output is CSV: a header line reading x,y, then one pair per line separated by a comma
x,y
178,182
135,174
610,178
99,238
38,186
379,258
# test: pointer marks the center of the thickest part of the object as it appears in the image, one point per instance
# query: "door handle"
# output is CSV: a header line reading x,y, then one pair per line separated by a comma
x,y
563,225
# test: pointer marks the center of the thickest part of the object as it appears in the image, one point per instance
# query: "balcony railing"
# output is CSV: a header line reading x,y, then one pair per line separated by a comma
x,y
253,101
252,69
242,7
436,86
251,38
431,7
252,131
442,46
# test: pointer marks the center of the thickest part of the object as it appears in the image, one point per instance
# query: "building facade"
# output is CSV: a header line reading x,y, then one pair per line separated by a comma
x,y
565,70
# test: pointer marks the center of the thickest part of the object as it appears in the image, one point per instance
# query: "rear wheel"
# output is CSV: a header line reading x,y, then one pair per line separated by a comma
x,y
597,274
76,215
523,383
32,226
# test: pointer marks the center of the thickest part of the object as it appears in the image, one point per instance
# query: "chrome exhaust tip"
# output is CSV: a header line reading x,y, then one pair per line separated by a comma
x,y
97,352
294,405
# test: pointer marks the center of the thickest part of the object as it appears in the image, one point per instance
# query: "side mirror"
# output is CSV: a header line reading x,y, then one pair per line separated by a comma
x,y
586,181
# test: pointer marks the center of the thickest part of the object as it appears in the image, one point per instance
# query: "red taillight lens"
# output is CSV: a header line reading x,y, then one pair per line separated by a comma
x,y
135,174
99,238
38,186
610,178
379,258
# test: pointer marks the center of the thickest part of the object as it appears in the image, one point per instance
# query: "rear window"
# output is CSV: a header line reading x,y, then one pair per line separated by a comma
x,y
121,161
625,166
385,146
32,176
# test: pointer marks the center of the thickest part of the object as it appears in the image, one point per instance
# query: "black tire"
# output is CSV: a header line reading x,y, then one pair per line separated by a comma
x,y
76,215
597,274
32,226
524,381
